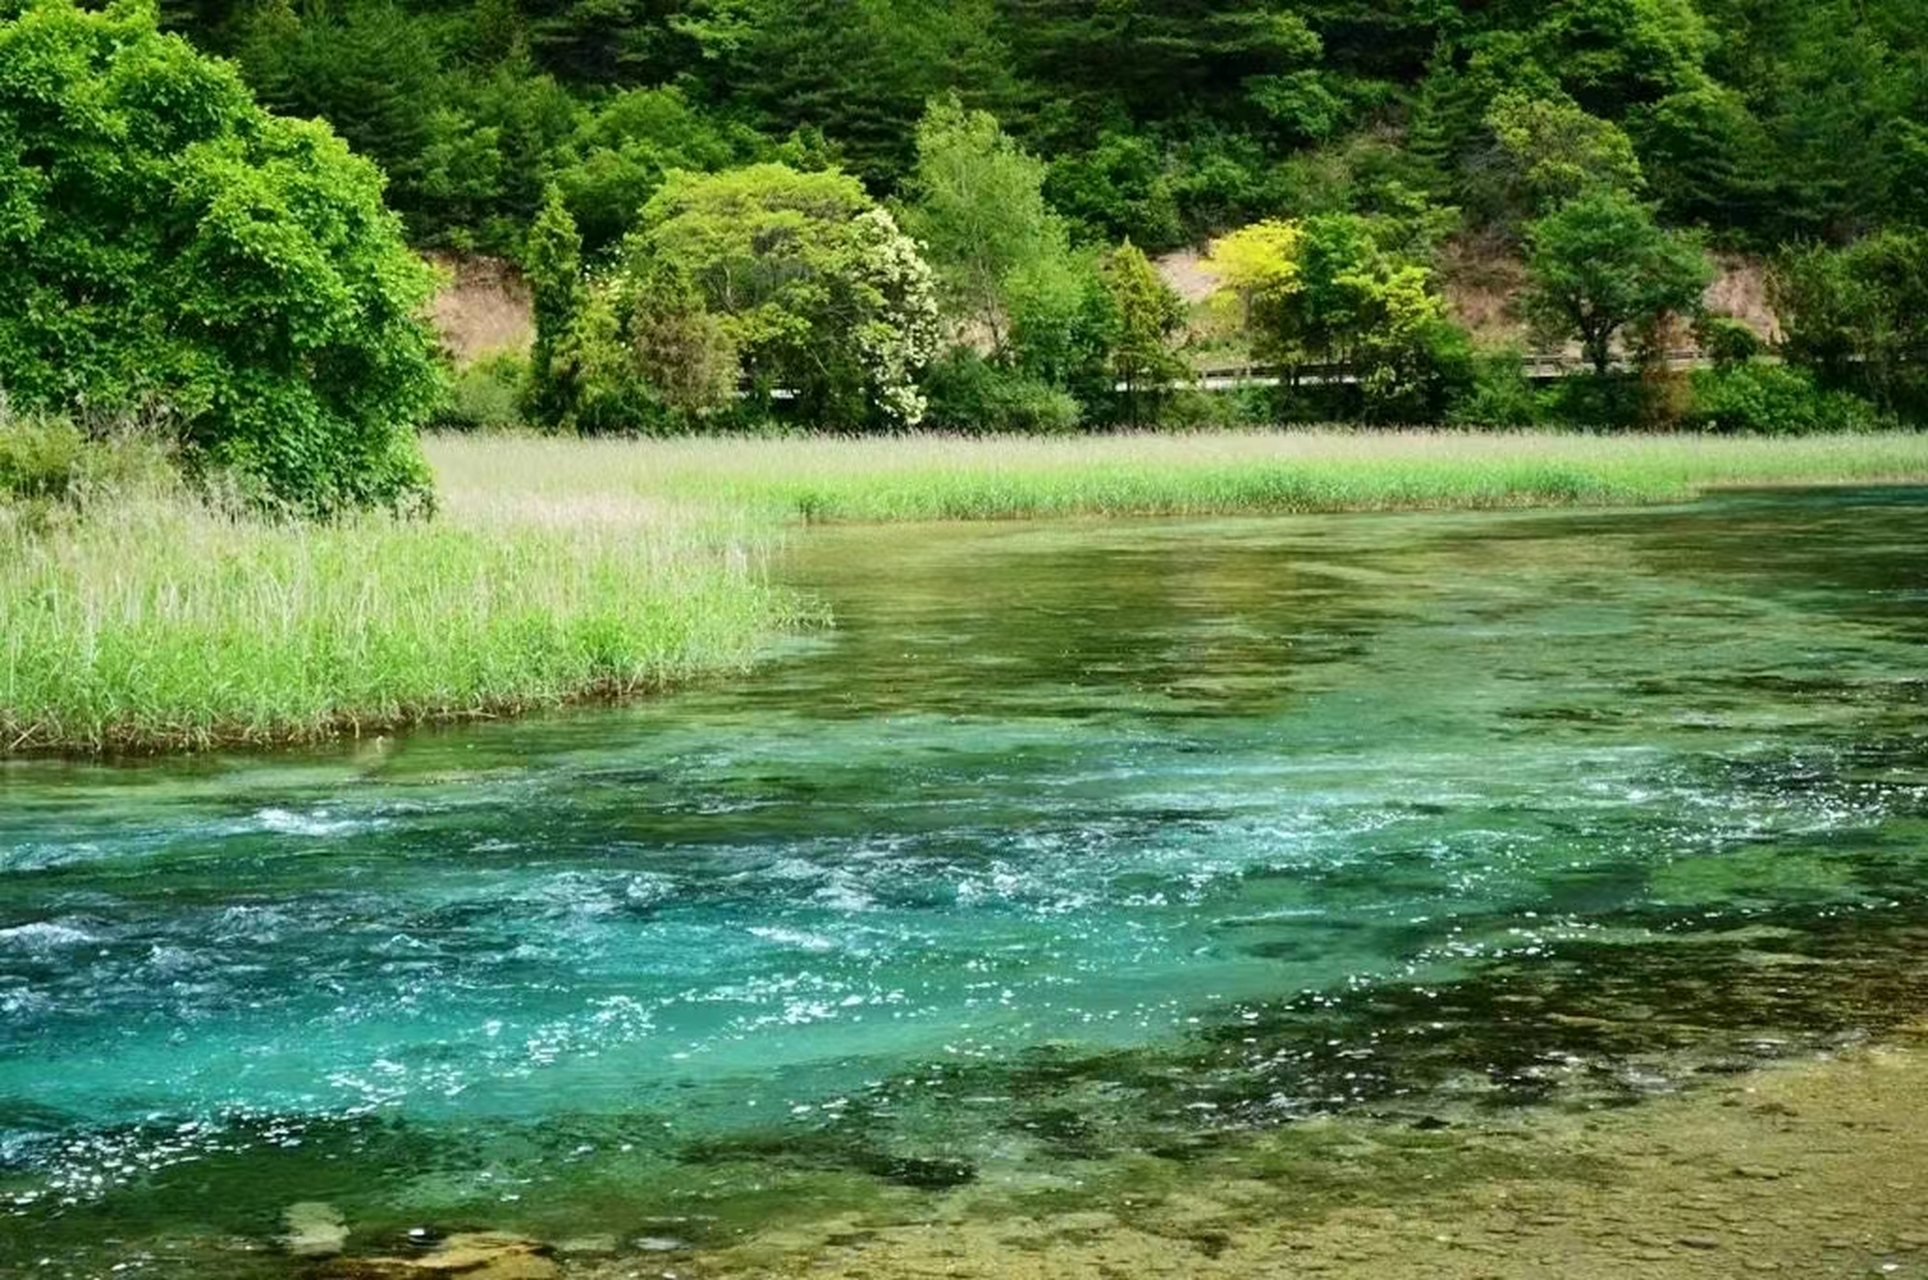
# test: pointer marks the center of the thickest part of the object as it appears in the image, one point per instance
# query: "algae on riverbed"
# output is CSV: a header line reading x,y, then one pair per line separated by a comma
x,y
1800,1171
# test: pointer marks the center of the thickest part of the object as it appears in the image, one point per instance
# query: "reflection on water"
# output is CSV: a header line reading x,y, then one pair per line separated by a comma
x,y
1073,841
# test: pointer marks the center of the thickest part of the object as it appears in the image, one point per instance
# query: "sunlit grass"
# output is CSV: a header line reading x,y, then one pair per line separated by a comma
x,y
159,624
562,570
955,478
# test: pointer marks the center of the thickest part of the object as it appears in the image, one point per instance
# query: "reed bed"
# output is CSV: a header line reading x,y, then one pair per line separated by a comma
x,y
565,570
825,479
162,625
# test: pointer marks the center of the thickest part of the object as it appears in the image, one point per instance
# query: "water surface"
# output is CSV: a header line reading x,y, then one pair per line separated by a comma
x,y
1071,841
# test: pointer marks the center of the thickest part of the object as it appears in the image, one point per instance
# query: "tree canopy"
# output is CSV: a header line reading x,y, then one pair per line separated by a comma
x,y
824,209
1600,268
169,248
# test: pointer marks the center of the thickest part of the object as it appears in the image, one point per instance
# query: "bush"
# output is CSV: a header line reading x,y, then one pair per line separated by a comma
x,y
1857,317
168,247
968,393
40,457
1592,402
486,396
1765,399
1727,342
1501,394
50,468
1239,409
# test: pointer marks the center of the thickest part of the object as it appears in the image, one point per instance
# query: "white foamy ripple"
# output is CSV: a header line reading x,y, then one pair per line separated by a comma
x,y
43,936
798,938
286,822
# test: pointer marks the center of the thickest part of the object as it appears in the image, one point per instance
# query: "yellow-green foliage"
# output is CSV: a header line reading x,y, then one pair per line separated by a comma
x,y
1257,260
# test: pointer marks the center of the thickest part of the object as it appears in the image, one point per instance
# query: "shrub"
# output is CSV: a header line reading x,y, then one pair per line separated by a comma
x,y
1500,395
1857,317
1727,342
50,468
1611,402
485,396
168,247
968,393
1765,399
40,457
1239,409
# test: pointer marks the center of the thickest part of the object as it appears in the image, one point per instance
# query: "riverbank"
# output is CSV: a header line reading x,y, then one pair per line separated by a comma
x,y
564,571
159,625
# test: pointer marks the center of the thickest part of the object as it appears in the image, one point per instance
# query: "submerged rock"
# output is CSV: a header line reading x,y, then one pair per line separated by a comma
x,y
489,1255
594,1244
313,1229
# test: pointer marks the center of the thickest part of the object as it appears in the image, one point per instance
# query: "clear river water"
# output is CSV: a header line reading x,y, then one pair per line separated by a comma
x,y
1070,843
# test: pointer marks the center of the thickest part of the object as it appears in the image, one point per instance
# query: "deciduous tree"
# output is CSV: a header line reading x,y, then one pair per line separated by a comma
x,y
165,244
1599,267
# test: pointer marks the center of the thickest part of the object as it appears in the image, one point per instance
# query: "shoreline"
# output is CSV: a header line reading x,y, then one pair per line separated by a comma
x,y
1808,1167
660,547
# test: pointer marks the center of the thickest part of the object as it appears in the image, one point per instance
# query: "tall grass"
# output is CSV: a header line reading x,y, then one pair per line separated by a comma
x,y
561,570
161,624
955,478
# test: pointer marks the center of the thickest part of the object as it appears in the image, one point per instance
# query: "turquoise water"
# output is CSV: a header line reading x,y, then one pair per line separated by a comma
x,y
1070,841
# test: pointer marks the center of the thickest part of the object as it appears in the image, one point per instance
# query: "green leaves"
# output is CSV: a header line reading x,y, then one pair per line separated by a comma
x,y
1599,266
787,282
1857,317
175,249
1147,320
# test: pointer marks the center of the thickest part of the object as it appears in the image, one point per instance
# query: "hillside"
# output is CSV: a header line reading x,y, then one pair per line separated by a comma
x,y
1162,120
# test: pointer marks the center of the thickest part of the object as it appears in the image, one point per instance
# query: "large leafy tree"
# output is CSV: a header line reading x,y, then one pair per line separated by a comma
x,y
1858,316
1547,151
977,205
810,285
1147,318
167,246
1331,291
1601,268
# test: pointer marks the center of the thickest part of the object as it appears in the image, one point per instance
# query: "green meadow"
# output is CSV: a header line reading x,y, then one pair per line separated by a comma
x,y
565,570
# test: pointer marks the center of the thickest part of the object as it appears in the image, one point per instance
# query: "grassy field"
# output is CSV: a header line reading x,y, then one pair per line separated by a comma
x,y
564,570
828,479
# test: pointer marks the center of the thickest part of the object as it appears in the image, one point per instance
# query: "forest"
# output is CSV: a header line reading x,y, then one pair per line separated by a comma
x,y
1020,143
877,215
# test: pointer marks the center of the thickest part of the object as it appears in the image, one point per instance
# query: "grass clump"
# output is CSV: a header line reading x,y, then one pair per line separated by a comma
x,y
161,622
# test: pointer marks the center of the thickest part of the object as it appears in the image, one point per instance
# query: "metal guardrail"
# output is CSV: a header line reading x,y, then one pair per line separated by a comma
x,y
1540,367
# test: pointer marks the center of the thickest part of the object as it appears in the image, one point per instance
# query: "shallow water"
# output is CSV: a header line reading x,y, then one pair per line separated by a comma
x,y
1072,841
